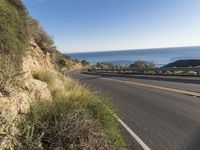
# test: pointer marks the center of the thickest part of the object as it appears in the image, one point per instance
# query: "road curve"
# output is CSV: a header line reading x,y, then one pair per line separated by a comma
x,y
164,120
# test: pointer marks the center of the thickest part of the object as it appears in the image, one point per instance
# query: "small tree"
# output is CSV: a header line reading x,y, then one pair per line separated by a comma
x,y
62,62
142,65
85,63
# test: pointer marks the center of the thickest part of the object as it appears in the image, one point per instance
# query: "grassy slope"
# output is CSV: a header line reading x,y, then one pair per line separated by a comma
x,y
13,35
75,119
17,28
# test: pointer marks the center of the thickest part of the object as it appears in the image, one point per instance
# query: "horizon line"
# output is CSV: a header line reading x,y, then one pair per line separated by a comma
x,y
115,50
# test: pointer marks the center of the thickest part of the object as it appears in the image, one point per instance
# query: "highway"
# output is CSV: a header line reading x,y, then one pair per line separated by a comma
x,y
163,119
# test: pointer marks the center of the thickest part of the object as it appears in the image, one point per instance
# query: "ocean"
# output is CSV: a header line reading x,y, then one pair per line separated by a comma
x,y
159,56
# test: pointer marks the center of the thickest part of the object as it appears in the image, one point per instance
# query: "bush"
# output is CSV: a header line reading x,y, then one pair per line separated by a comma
x,y
59,60
142,65
85,63
62,62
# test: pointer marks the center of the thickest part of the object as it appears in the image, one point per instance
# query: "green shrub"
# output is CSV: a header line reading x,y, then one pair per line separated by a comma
x,y
62,62
142,65
85,63
59,60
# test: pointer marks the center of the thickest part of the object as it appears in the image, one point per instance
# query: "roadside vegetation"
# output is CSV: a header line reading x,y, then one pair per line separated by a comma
x,y
85,63
142,65
138,67
107,66
75,119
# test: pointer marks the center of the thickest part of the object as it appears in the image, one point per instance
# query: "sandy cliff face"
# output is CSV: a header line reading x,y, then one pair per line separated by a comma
x,y
36,59
29,89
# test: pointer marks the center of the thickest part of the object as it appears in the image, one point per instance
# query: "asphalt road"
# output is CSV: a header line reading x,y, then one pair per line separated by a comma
x,y
164,120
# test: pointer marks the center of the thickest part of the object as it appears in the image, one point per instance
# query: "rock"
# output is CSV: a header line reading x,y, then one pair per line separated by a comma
x,y
23,103
27,81
10,109
37,89
40,91
15,104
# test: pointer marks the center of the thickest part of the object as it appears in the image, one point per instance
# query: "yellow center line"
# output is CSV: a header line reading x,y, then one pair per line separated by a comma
x,y
156,87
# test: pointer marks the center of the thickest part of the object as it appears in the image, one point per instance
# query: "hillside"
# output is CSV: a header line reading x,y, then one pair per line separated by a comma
x,y
184,63
18,30
40,108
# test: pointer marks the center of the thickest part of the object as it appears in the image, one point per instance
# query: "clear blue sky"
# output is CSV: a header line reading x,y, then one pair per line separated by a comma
x,y
99,25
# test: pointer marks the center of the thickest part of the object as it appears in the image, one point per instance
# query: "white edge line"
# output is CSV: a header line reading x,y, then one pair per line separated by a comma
x,y
137,138
142,144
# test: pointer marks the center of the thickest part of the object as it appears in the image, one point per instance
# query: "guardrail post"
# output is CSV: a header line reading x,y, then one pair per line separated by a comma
x,y
157,72
198,73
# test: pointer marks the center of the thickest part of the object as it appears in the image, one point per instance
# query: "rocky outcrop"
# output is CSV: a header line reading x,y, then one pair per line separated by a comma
x,y
11,108
18,99
37,89
36,59
40,91
17,102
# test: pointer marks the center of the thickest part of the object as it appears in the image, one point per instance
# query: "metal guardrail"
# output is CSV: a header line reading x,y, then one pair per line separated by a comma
x,y
153,71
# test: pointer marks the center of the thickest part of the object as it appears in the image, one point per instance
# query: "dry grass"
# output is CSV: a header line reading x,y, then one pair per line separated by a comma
x,y
75,119
7,132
